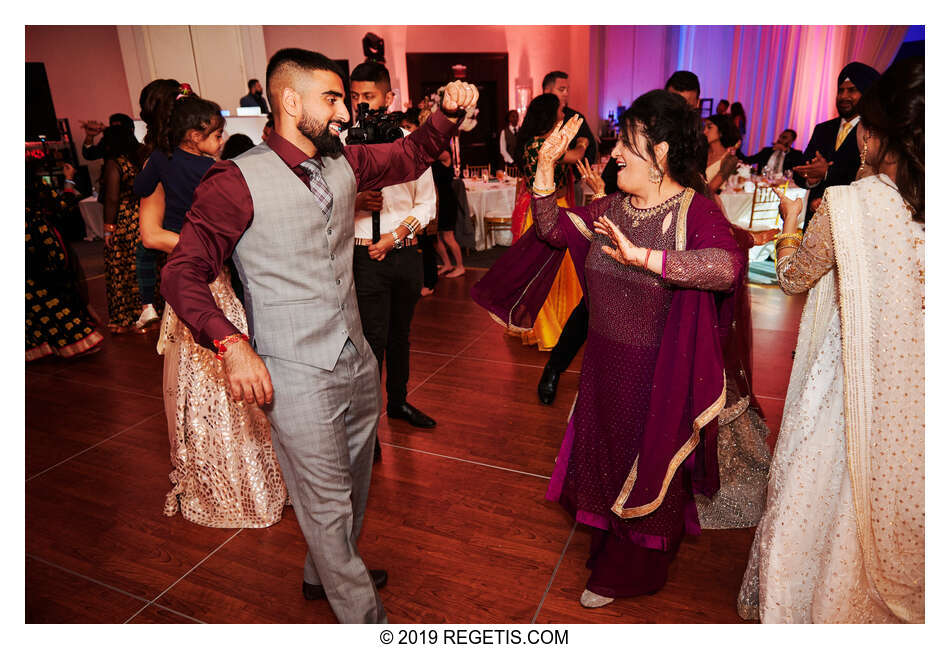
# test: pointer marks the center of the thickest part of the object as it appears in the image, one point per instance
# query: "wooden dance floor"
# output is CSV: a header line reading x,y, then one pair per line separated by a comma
x,y
456,514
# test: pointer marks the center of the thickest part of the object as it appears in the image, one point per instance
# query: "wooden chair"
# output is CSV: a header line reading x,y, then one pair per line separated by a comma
x,y
500,223
512,171
476,171
765,206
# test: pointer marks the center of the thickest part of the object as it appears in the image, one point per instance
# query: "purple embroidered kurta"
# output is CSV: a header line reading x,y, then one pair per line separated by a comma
x,y
641,438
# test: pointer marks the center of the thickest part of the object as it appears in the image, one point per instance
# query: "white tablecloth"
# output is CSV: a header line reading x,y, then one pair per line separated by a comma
x,y
91,210
484,199
738,208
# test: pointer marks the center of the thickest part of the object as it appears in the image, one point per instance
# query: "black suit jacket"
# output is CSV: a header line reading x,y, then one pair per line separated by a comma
x,y
591,151
250,100
793,158
846,160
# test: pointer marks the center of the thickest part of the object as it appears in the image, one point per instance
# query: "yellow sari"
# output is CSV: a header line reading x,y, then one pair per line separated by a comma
x,y
564,296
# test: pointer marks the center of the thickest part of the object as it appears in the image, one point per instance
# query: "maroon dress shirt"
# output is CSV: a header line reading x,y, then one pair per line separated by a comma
x,y
222,210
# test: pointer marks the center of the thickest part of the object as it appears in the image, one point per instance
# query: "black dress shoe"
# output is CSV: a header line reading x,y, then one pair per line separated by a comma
x,y
411,414
547,386
315,591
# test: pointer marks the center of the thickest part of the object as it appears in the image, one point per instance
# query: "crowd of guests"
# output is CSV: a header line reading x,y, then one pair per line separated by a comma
x,y
665,437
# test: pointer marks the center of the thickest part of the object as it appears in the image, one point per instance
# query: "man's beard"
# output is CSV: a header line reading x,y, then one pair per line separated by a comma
x,y
327,143
847,114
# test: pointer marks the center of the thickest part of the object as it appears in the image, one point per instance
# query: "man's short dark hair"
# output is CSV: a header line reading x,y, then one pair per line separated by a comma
x,y
683,81
792,131
122,120
411,116
373,72
551,78
294,58
251,83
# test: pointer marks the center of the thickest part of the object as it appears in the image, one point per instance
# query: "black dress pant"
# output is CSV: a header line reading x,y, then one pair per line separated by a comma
x,y
387,292
572,337
430,273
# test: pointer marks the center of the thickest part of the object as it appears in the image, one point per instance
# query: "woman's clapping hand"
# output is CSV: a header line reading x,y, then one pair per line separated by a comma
x,y
558,141
590,177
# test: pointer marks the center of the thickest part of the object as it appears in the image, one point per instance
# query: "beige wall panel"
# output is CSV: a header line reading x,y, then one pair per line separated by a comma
x,y
170,54
220,62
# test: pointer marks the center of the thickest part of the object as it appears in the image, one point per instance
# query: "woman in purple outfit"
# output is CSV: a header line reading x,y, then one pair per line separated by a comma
x,y
659,267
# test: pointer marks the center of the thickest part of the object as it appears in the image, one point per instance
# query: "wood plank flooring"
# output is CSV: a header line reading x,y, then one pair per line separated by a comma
x,y
456,514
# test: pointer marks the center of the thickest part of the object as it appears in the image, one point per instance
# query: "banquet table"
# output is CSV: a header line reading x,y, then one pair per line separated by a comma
x,y
738,207
737,204
91,210
489,199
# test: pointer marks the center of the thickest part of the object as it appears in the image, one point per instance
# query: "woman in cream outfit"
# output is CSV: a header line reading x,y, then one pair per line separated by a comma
x,y
842,537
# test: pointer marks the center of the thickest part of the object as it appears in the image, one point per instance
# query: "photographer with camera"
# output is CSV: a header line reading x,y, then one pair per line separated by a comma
x,y
387,264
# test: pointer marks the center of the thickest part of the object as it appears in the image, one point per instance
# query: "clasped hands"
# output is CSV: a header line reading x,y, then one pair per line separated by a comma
x,y
815,170
92,127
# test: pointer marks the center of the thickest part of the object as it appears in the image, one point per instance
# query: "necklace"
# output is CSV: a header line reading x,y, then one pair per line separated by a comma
x,y
638,215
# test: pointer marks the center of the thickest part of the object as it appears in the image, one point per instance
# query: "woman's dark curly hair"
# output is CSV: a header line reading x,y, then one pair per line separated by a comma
x,y
666,117
540,118
191,112
156,102
728,131
892,109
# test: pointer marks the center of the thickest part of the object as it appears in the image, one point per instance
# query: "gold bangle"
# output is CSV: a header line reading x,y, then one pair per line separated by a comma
x,y
599,195
109,227
793,247
794,235
542,191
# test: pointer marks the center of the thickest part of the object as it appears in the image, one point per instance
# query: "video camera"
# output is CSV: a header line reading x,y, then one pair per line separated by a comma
x,y
375,126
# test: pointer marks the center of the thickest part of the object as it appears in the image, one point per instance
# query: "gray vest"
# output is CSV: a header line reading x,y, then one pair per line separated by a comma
x,y
296,266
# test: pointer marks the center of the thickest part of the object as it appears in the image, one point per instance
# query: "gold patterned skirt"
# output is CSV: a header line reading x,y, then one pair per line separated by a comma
x,y
225,470
744,459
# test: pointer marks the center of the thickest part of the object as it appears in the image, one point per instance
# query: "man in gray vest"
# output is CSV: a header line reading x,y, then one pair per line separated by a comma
x,y
285,211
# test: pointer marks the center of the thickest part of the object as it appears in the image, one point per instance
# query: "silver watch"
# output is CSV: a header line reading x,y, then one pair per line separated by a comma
x,y
397,242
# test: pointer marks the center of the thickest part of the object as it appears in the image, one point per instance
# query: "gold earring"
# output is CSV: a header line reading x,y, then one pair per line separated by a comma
x,y
655,175
864,156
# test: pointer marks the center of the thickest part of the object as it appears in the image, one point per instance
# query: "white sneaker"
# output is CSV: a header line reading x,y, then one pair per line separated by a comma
x,y
149,315
593,600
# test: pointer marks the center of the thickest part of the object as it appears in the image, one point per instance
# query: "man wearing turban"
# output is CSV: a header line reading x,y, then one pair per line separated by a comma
x,y
833,153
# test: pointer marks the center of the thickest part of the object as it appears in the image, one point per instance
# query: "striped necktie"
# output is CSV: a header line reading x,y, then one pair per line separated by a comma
x,y
842,134
319,186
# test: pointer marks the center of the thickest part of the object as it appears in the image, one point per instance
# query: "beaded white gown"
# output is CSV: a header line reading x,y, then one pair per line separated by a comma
x,y
842,537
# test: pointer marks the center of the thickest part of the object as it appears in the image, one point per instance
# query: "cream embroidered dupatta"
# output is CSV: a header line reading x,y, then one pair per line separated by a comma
x,y
877,289
879,255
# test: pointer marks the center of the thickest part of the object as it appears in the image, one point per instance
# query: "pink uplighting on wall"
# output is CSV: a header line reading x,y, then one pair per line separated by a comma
x,y
785,76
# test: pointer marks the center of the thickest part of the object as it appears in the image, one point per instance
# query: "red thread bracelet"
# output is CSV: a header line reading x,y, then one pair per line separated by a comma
x,y
222,345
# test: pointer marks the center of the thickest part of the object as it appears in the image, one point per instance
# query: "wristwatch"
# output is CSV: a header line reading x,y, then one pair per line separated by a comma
x,y
397,242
